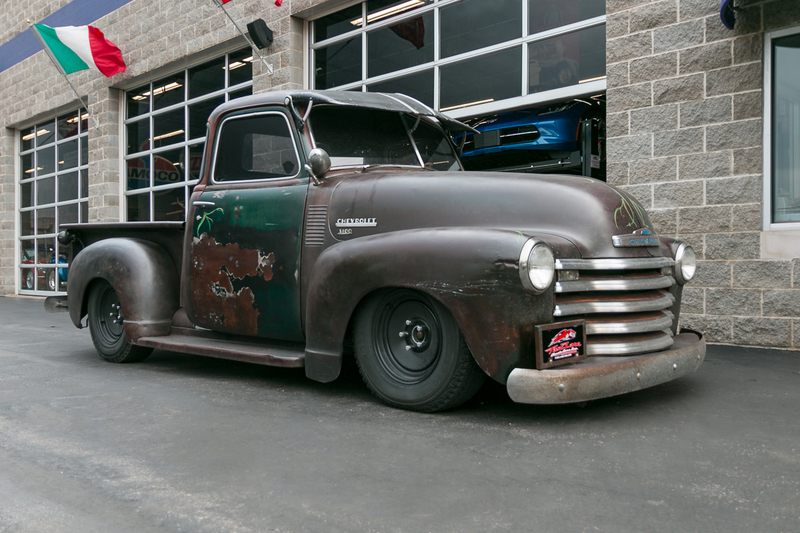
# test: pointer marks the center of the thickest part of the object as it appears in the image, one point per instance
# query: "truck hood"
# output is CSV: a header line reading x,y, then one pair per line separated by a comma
x,y
584,211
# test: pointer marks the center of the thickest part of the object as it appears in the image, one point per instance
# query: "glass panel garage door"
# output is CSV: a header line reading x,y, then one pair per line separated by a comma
x,y
454,54
53,190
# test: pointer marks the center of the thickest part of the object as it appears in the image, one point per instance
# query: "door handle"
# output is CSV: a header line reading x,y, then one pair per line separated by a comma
x,y
200,203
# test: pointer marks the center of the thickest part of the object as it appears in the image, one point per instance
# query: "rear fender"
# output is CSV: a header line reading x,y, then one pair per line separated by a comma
x,y
142,274
474,272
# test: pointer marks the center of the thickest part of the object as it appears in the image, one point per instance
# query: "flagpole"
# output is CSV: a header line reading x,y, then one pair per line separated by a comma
x,y
246,38
60,69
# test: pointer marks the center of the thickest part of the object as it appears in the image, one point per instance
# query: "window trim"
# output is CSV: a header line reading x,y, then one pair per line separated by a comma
x,y
218,138
766,217
17,220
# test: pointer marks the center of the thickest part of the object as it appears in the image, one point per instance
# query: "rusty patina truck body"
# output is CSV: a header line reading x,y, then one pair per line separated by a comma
x,y
325,220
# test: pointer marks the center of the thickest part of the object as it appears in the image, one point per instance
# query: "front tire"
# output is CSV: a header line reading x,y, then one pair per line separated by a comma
x,y
411,353
105,325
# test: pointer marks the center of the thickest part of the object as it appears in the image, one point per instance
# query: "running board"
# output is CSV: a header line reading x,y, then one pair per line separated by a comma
x,y
211,344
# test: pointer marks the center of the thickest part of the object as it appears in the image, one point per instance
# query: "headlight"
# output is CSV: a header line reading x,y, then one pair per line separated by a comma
x,y
536,265
685,263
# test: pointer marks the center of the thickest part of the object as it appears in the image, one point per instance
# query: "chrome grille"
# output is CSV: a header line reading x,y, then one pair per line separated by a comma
x,y
625,302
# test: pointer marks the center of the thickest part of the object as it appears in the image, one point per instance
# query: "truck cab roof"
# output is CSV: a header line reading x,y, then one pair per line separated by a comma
x,y
399,103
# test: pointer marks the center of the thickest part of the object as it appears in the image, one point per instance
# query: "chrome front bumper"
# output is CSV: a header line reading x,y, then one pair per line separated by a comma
x,y
603,376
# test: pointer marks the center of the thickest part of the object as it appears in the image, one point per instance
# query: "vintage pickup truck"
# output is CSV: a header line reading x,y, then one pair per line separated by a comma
x,y
330,220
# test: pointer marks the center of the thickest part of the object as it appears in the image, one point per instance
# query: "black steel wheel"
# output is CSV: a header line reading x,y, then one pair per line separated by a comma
x,y
105,325
411,353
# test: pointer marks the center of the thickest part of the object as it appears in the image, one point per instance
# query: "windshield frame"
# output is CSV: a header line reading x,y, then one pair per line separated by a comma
x,y
404,118
420,120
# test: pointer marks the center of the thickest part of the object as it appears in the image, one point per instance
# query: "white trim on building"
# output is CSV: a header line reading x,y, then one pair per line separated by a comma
x,y
768,207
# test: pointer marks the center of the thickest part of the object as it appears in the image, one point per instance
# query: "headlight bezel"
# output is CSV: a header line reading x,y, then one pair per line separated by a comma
x,y
530,267
684,258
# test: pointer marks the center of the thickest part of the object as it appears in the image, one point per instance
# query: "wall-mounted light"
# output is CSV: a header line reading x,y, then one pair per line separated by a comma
x,y
260,33
727,13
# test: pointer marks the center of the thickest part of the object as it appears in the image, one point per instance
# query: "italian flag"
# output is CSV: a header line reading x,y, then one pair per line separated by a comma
x,y
80,48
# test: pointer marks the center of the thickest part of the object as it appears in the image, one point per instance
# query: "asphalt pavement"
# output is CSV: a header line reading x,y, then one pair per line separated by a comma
x,y
183,443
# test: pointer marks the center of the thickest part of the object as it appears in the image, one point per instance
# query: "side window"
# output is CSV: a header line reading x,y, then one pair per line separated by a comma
x,y
255,147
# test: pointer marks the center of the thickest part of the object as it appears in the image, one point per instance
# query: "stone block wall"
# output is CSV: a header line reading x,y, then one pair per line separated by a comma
x,y
7,208
685,138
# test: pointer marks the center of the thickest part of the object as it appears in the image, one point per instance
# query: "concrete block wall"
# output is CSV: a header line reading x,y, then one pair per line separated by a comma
x,y
685,138
151,35
7,208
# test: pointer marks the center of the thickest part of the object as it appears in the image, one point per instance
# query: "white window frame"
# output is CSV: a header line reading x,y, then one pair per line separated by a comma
x,y
767,223
83,167
186,184
525,100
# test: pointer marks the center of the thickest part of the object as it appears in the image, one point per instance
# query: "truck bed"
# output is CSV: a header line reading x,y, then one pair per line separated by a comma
x,y
168,235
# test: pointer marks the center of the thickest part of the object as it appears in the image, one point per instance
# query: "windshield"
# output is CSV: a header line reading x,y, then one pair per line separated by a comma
x,y
367,137
434,149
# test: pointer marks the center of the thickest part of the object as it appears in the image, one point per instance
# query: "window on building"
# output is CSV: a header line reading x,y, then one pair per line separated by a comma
x,y
165,129
53,191
782,135
453,54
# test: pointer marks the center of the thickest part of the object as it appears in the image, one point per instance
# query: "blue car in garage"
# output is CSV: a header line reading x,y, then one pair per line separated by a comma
x,y
566,137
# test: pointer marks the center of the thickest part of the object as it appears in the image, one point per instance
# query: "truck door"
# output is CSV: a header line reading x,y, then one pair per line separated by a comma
x,y
246,231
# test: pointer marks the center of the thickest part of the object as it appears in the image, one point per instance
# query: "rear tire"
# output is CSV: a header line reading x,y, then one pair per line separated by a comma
x,y
411,353
105,325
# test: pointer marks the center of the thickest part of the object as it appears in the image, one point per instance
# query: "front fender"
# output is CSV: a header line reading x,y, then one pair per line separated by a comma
x,y
142,274
474,272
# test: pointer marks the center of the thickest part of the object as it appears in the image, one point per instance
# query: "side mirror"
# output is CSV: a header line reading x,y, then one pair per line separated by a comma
x,y
319,163
64,237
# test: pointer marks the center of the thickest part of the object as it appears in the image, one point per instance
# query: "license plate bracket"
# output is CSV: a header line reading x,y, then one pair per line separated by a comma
x,y
560,343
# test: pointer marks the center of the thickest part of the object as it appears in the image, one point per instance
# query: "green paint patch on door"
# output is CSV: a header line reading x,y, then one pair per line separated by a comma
x,y
245,260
